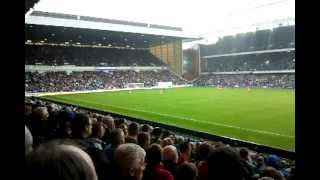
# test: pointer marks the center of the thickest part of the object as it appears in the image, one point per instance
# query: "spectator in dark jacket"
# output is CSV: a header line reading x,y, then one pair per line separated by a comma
x,y
133,130
187,171
246,160
272,173
81,126
225,163
98,132
81,131
116,138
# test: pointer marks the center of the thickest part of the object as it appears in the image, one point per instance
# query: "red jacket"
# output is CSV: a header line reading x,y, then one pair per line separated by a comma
x,y
183,158
157,173
203,170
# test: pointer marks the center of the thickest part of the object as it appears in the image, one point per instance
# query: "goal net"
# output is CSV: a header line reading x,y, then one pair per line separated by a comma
x,y
135,85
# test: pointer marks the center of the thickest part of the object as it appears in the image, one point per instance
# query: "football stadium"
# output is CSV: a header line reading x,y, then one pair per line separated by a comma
x,y
127,99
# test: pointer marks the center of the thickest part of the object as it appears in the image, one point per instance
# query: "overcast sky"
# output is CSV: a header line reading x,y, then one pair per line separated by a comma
x,y
208,18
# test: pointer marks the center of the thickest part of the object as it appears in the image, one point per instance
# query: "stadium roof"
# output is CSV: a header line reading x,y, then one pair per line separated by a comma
x,y
28,4
71,29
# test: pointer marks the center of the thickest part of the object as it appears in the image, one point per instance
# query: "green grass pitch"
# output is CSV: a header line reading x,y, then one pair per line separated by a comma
x,y
262,116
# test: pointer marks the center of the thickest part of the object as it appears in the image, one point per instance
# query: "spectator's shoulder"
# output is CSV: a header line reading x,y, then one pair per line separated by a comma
x,y
165,174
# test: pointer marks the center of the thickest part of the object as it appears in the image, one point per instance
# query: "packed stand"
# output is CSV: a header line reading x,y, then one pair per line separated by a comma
x,y
88,56
252,62
65,142
266,39
77,81
247,80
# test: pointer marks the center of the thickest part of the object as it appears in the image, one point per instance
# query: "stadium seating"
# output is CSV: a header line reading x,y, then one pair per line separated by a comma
x,y
77,81
236,70
88,56
252,62
247,80
277,38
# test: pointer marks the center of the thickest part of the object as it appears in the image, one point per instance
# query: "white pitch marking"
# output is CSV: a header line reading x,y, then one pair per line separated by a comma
x,y
196,120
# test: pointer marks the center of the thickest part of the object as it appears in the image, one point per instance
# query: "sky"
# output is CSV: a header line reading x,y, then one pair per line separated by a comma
x,y
207,18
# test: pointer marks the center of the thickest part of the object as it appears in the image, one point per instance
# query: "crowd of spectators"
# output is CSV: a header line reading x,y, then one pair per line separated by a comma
x,y
247,80
92,80
252,62
88,56
64,142
263,39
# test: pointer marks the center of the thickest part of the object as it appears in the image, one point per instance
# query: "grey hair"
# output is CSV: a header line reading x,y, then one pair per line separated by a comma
x,y
28,140
109,121
170,153
127,155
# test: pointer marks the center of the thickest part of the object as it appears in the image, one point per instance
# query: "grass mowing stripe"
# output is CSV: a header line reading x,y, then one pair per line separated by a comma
x,y
263,116
191,119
